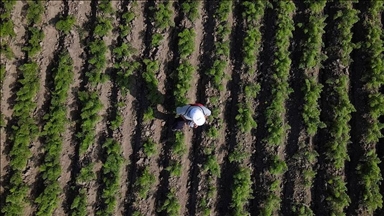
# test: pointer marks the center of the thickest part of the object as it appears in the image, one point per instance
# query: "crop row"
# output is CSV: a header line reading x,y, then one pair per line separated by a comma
x,y
253,12
113,159
216,73
90,106
6,30
6,34
338,128
221,51
276,110
124,68
310,62
25,130
52,134
368,169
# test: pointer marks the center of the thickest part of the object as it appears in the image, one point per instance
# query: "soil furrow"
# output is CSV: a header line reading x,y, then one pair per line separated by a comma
x,y
358,99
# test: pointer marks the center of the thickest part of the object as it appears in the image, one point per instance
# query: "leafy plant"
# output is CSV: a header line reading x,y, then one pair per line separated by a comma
x,y
163,14
148,115
156,39
150,148
33,45
171,205
212,166
103,26
65,24
241,190
53,129
144,183
174,168
34,12
190,9
186,43
111,176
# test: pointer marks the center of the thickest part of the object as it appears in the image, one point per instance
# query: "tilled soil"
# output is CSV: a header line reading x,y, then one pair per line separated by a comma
x,y
190,186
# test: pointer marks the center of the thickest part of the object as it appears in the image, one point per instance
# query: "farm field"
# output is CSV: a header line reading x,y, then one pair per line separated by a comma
x,y
89,91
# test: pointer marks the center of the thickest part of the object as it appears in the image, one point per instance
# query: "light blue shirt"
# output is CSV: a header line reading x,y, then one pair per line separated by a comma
x,y
184,110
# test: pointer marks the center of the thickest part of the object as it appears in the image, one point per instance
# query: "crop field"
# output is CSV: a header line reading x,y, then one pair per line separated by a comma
x,y
89,91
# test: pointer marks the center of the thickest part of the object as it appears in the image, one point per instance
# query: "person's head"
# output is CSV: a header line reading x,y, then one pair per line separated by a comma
x,y
197,116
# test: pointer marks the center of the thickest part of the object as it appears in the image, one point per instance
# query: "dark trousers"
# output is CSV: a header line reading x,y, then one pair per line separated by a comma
x,y
178,124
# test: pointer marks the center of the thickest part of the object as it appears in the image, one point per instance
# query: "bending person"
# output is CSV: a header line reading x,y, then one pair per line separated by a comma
x,y
193,114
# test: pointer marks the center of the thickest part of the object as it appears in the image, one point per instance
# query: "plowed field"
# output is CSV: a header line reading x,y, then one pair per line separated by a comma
x,y
89,91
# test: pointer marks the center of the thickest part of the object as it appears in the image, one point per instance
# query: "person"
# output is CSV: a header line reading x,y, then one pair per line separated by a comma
x,y
192,114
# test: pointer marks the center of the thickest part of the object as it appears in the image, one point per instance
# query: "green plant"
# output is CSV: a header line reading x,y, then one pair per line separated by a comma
x,y
337,198
244,118
117,122
238,155
311,111
186,43
190,9
212,132
86,174
111,176
212,165
301,209
34,12
54,127
91,105
156,39
149,75
148,115
241,190
103,26
277,166
150,148
162,16
79,204
33,45
178,147
65,23
171,205
182,76
174,168
144,183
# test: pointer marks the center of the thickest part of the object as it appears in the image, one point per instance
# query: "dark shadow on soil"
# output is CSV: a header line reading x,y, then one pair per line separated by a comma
x,y
196,155
294,110
231,110
359,100
258,158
